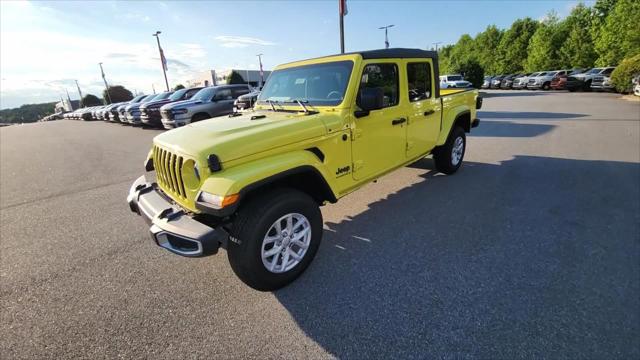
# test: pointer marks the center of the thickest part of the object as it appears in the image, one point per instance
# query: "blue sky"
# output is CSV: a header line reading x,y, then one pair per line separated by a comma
x,y
45,45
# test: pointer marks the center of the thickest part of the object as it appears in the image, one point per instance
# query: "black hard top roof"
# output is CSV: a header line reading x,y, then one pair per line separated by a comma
x,y
385,54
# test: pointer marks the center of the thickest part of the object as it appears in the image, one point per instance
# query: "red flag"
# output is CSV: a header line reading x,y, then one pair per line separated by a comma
x,y
164,60
343,7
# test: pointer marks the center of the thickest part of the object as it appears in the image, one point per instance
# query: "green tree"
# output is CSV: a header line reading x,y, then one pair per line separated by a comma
x,y
117,93
178,87
91,100
512,50
578,50
236,78
444,57
27,113
622,75
472,72
545,44
619,36
486,48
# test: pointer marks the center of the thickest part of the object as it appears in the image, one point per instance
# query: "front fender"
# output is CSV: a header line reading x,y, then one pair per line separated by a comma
x,y
241,177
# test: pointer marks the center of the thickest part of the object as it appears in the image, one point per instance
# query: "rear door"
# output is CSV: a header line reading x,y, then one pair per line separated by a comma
x,y
425,109
379,139
223,102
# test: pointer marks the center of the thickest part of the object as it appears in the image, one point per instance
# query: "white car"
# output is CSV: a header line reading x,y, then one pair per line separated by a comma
x,y
588,77
453,81
521,82
636,85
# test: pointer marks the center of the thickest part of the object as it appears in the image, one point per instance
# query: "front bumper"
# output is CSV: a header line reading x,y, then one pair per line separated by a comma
x,y
170,227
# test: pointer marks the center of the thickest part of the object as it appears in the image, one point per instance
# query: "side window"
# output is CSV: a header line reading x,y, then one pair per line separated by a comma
x,y
419,79
384,76
190,93
223,94
239,92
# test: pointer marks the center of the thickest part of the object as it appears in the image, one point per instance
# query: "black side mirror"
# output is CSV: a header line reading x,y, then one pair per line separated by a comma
x,y
369,99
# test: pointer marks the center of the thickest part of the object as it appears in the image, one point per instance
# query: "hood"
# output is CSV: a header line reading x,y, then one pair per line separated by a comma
x,y
231,138
173,105
135,106
154,104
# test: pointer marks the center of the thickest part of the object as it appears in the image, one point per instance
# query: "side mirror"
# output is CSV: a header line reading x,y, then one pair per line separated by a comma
x,y
369,99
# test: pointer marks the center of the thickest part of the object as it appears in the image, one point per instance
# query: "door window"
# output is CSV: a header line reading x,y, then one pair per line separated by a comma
x,y
239,92
419,81
223,94
384,76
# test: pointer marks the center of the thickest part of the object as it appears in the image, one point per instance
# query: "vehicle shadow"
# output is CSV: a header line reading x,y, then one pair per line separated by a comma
x,y
531,257
513,115
492,128
513,93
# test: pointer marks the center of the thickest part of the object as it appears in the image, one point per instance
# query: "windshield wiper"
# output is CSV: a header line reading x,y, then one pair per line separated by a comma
x,y
301,103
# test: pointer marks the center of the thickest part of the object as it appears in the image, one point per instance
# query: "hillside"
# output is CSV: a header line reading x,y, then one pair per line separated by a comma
x,y
27,113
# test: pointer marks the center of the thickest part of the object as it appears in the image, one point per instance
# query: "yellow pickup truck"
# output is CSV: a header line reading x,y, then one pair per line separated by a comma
x,y
253,182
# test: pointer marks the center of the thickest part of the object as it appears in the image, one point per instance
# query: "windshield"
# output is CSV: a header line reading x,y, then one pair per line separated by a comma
x,y
553,73
317,84
577,71
454,78
594,71
163,96
137,98
204,95
178,94
149,98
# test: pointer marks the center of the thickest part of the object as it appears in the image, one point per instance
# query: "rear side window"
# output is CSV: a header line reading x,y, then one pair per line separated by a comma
x,y
607,71
190,93
223,94
384,76
239,92
419,81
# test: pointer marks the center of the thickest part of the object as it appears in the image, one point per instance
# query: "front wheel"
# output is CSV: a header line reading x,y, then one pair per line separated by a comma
x,y
274,238
448,157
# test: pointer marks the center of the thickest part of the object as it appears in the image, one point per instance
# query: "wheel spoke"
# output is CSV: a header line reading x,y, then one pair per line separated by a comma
x,y
301,234
270,239
272,251
275,261
278,228
300,244
294,255
285,260
290,224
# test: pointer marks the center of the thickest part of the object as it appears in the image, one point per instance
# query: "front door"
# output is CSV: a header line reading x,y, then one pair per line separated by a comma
x,y
379,139
425,109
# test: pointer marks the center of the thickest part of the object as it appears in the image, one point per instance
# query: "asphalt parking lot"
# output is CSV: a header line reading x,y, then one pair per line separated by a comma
x,y
532,250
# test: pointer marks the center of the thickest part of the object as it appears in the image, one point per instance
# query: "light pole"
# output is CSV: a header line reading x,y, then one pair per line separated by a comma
x,y
163,60
261,72
386,35
106,87
436,44
79,93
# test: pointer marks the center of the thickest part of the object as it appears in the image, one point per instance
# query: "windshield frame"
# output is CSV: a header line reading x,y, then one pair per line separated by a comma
x,y
263,100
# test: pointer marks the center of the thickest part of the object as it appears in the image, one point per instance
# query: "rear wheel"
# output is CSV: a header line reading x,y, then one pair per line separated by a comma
x,y
448,157
546,86
587,86
274,238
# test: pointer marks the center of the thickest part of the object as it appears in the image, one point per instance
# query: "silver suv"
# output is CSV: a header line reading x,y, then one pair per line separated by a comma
x,y
543,80
207,103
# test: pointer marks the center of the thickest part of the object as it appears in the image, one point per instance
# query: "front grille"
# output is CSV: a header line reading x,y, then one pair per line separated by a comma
x,y
532,81
169,171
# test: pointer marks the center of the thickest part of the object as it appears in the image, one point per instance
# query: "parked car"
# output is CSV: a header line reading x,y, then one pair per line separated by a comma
x,y
246,101
496,81
559,82
453,81
636,85
150,112
602,81
521,82
586,78
507,81
132,111
543,81
116,113
486,83
207,103
254,183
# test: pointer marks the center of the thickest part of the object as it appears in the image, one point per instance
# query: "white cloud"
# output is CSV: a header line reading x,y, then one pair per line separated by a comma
x,y
241,41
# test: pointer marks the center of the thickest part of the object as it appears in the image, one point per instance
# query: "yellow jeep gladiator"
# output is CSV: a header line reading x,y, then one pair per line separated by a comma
x,y
253,182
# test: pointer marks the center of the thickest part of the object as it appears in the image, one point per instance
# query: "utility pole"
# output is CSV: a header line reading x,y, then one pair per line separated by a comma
x,y
261,71
386,35
436,44
343,12
163,60
106,86
79,93
69,100
153,88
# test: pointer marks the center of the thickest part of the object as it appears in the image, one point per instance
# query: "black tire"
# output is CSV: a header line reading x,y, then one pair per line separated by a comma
x,y
442,155
572,89
252,224
199,117
586,86
546,86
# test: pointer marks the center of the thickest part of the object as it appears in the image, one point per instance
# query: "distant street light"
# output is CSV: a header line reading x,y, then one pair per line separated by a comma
x,y
106,86
261,72
436,44
79,93
386,35
163,60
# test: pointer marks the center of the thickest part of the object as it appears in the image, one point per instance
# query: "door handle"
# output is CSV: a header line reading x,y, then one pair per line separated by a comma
x,y
398,121
429,112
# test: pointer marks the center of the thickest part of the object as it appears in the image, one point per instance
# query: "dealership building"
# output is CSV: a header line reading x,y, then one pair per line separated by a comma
x,y
223,77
